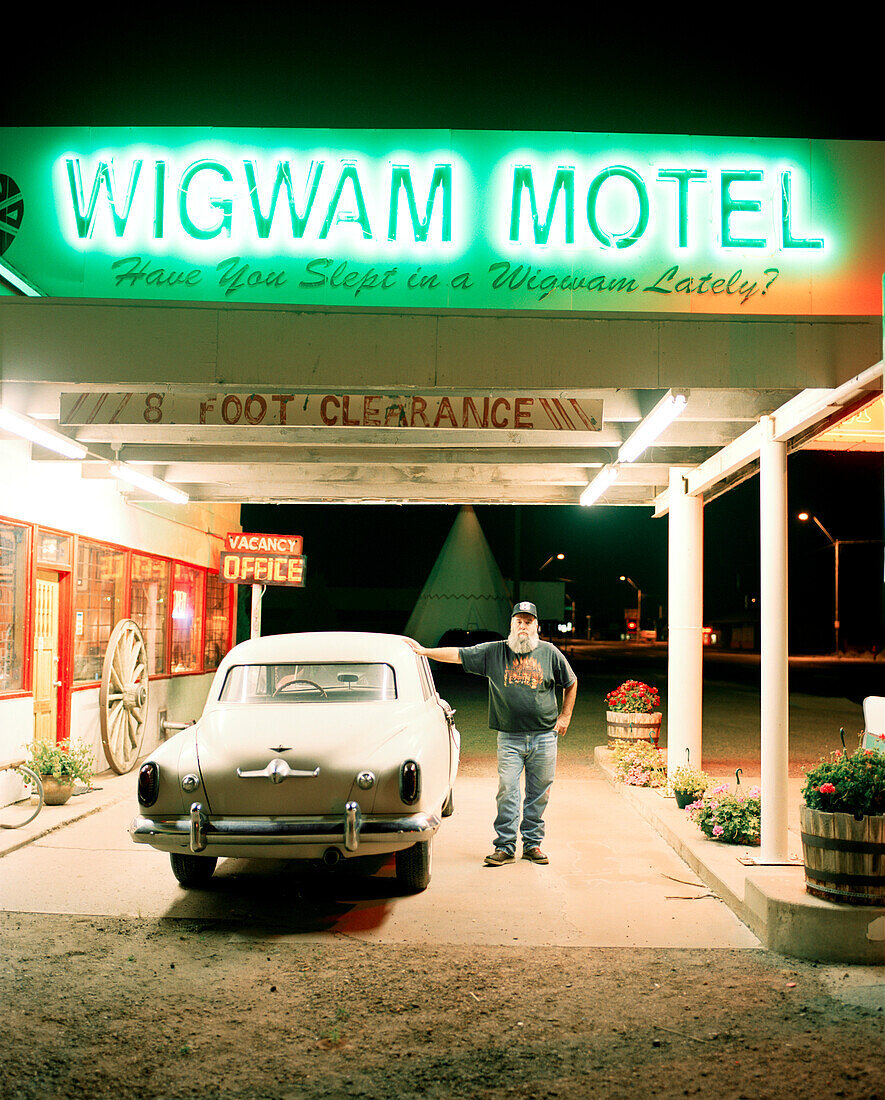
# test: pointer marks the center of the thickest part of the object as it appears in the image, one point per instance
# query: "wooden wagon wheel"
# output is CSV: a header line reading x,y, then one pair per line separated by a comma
x,y
123,696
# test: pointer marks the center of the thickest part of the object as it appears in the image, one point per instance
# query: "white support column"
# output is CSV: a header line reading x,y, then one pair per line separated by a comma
x,y
255,618
774,649
685,650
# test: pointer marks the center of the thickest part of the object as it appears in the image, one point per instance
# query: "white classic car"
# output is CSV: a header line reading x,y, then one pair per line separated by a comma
x,y
313,747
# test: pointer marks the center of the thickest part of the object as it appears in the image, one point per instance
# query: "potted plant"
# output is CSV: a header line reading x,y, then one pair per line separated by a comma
x,y
731,817
639,764
843,827
688,784
59,765
632,713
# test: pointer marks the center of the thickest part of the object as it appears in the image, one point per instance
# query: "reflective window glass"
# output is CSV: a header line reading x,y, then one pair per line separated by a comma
x,y
99,603
13,576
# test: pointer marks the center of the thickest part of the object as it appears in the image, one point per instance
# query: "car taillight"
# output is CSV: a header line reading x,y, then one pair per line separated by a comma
x,y
410,782
148,783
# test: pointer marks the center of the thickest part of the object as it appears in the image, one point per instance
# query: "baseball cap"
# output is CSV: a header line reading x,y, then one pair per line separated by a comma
x,y
524,608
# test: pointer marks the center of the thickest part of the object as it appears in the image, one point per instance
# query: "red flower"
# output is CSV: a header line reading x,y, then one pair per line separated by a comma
x,y
827,788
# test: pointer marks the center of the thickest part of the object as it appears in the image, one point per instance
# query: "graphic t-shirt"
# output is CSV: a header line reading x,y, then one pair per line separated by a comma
x,y
522,689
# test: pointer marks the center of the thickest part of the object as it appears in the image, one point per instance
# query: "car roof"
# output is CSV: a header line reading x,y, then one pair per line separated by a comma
x,y
318,646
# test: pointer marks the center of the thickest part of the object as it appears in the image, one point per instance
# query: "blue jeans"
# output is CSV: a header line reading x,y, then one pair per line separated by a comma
x,y
536,754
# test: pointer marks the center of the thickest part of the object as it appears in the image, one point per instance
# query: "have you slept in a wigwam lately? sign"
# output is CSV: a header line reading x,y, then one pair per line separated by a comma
x,y
445,219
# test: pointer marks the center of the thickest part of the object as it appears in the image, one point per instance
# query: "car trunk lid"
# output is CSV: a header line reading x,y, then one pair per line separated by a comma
x,y
325,745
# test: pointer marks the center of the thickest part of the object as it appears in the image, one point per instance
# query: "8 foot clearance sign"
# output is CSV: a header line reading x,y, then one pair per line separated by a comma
x,y
263,559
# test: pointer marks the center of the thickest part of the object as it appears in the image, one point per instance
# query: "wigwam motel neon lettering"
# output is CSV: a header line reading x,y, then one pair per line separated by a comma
x,y
606,206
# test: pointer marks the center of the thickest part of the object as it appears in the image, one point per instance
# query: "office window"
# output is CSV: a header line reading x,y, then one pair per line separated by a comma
x,y
13,576
149,599
187,604
99,604
53,549
217,621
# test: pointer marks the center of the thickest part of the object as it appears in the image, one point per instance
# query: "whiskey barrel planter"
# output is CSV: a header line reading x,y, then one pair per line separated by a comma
x,y
633,727
844,857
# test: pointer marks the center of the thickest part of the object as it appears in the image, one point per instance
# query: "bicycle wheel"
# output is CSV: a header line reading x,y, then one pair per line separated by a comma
x,y
28,802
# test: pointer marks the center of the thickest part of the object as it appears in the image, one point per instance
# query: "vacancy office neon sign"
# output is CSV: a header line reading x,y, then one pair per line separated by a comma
x,y
263,559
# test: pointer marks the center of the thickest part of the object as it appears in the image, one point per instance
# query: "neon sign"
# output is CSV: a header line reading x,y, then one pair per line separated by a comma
x,y
204,197
210,193
636,192
449,219
263,559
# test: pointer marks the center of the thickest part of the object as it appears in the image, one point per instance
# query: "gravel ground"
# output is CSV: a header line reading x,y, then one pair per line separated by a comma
x,y
178,1009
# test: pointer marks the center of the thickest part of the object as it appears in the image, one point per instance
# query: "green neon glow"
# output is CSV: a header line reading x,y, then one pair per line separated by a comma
x,y
104,177
564,181
159,198
682,177
789,241
401,177
615,240
225,206
360,216
445,219
283,179
732,205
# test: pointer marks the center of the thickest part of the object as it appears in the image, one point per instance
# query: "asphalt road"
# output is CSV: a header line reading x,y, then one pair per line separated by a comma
x,y
849,677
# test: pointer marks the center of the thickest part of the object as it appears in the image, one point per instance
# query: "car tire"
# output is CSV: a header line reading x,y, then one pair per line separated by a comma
x,y
413,866
448,807
192,870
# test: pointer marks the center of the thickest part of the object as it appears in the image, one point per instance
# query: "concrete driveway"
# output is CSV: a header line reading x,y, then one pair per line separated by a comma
x,y
612,882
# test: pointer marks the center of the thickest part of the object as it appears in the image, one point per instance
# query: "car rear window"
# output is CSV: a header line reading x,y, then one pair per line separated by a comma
x,y
341,682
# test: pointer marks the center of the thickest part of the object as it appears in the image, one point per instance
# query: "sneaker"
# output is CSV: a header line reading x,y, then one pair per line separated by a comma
x,y
498,858
534,855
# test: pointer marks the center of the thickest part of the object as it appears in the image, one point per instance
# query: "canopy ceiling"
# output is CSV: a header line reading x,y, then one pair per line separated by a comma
x,y
733,370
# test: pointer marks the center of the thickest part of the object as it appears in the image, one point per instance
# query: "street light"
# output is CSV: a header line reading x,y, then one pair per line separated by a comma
x,y
835,543
638,601
553,557
805,517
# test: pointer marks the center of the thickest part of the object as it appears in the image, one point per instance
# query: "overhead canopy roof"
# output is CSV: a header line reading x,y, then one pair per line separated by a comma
x,y
341,442
434,316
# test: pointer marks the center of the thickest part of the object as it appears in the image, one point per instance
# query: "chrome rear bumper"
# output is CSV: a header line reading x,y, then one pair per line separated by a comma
x,y
198,830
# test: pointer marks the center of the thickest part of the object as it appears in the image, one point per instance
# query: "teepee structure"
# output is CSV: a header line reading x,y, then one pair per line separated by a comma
x,y
465,589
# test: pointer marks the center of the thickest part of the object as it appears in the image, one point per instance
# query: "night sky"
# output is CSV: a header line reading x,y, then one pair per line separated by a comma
x,y
687,70
393,549
737,71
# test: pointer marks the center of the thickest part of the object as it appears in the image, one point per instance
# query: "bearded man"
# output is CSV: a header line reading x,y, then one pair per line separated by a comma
x,y
523,674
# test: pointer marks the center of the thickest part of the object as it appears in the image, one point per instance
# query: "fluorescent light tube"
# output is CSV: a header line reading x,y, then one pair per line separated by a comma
x,y
17,280
44,437
651,426
598,485
149,484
